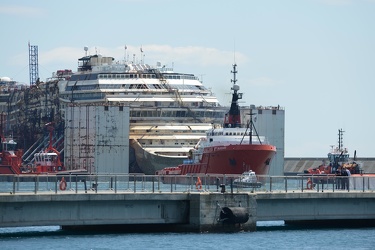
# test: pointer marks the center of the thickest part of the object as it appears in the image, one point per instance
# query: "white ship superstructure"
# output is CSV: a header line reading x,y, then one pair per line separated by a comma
x,y
169,112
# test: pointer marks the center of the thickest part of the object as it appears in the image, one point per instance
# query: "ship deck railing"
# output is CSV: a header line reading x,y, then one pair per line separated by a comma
x,y
140,183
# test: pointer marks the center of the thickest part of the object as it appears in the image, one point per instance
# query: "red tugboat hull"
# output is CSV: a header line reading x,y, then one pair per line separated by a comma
x,y
233,159
222,160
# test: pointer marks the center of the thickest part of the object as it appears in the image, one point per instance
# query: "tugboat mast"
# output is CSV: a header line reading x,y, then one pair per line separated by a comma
x,y
341,132
233,119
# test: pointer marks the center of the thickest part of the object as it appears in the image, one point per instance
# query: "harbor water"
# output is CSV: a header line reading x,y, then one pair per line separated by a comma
x,y
269,235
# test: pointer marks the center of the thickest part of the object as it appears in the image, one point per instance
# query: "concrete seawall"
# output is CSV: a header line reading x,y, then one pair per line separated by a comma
x,y
145,204
196,212
185,212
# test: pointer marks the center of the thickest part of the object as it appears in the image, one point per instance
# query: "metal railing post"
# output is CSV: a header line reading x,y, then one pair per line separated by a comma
x,y
286,184
153,184
96,184
115,184
36,184
14,184
363,183
302,184
270,183
85,185
348,182
70,180
135,183
56,180
158,183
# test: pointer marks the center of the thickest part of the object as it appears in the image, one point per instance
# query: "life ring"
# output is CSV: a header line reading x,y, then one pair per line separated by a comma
x,y
198,184
62,184
309,184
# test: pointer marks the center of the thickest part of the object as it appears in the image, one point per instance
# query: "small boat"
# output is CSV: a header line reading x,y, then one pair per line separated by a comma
x,y
228,150
247,179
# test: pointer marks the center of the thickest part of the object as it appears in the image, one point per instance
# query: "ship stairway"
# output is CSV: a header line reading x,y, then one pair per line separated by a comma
x,y
165,84
41,145
29,154
189,112
161,78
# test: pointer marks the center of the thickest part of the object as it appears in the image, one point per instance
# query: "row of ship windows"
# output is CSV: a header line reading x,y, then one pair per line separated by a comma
x,y
132,86
205,114
176,143
173,113
228,133
130,76
98,96
145,76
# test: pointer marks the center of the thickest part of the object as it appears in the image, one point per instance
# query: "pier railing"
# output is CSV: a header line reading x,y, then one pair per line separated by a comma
x,y
140,183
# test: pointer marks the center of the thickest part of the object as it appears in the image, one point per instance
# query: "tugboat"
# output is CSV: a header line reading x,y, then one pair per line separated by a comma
x,y
230,149
48,161
10,156
339,166
338,158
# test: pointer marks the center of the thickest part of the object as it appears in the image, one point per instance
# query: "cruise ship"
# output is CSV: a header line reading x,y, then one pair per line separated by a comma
x,y
169,112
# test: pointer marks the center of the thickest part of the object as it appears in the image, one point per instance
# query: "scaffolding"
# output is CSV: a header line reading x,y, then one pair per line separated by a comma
x,y
33,64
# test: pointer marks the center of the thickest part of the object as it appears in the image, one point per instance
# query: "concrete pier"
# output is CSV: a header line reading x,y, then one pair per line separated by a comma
x,y
145,204
196,212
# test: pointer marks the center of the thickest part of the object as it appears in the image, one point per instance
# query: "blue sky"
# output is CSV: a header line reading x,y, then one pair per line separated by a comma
x,y
315,58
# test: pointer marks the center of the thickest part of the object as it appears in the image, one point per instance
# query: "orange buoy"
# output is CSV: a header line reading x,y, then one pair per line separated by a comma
x,y
198,184
309,184
62,184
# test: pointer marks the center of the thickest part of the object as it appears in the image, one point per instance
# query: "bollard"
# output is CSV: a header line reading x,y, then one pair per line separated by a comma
x,y
222,186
